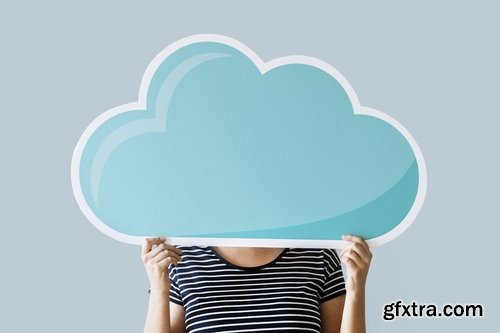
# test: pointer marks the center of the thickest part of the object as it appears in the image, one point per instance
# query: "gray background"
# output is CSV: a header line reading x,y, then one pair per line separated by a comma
x,y
432,65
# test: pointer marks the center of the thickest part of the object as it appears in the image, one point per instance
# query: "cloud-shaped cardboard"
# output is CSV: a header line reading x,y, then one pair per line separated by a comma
x,y
224,149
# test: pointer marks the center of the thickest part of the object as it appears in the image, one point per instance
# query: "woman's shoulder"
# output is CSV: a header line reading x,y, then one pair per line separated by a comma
x,y
193,256
328,256
194,250
312,251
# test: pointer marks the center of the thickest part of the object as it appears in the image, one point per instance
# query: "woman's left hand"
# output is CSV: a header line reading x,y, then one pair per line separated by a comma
x,y
357,257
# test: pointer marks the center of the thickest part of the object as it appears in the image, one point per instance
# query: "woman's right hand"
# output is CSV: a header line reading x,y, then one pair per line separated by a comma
x,y
157,256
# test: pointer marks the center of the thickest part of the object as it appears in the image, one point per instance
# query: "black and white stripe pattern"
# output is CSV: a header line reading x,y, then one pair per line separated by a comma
x,y
282,296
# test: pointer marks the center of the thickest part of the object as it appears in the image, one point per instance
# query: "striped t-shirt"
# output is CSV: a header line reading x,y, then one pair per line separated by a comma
x,y
281,296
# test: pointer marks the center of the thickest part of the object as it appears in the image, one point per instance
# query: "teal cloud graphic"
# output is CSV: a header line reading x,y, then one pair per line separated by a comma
x,y
223,148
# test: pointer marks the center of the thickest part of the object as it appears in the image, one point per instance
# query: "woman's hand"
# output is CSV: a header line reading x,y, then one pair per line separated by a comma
x,y
357,257
157,256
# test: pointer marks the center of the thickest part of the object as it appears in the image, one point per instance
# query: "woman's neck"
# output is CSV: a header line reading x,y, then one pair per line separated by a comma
x,y
249,256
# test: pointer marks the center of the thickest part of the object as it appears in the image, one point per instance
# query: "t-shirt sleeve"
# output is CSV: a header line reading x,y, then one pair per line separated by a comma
x,y
334,284
175,292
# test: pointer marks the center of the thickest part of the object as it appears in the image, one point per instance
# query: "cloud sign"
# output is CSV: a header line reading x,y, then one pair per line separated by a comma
x,y
225,149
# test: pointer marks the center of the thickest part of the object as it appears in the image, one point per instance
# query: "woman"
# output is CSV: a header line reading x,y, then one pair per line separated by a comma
x,y
238,289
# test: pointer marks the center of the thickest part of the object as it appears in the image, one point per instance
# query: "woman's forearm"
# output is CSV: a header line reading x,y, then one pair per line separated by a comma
x,y
357,257
158,317
353,316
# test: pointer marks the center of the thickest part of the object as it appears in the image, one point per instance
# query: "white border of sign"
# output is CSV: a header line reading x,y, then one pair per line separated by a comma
x,y
263,67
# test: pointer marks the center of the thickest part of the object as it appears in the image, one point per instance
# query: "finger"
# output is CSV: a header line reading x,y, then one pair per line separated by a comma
x,y
354,256
167,261
349,262
364,259
157,249
357,240
360,244
147,243
164,254
344,249
363,253
174,249
347,247
165,246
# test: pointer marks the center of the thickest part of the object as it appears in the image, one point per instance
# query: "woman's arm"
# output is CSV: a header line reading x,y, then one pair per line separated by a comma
x,y
163,316
158,317
160,312
357,257
346,314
